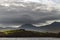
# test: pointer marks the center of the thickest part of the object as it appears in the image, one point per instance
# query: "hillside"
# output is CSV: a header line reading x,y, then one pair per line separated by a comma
x,y
24,33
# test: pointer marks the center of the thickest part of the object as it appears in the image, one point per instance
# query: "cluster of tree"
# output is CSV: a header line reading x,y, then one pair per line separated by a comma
x,y
24,33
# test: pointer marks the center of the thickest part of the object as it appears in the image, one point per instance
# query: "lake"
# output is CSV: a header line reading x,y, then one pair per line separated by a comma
x,y
29,38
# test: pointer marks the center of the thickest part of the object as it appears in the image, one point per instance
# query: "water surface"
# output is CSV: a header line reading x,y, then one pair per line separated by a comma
x,y
29,38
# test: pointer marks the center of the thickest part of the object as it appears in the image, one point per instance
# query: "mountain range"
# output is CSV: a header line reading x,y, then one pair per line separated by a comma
x,y
54,27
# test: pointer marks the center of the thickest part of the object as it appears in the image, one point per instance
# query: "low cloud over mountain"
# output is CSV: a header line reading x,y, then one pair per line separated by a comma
x,y
54,27
17,12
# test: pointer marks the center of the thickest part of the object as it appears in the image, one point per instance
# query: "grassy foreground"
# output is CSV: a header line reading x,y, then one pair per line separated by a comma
x,y
24,33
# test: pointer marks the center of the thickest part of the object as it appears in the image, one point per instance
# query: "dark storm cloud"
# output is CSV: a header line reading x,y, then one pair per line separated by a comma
x,y
28,13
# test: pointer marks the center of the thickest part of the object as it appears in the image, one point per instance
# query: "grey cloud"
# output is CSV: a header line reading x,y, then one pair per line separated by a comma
x,y
21,15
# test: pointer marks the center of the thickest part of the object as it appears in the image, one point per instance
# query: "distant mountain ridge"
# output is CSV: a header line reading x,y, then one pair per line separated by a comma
x,y
28,26
54,27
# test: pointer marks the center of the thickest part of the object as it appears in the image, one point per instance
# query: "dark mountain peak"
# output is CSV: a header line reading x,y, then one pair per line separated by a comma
x,y
27,26
56,23
52,27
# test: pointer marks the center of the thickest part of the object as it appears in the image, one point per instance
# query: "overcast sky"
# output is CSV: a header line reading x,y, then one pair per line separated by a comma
x,y
17,12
